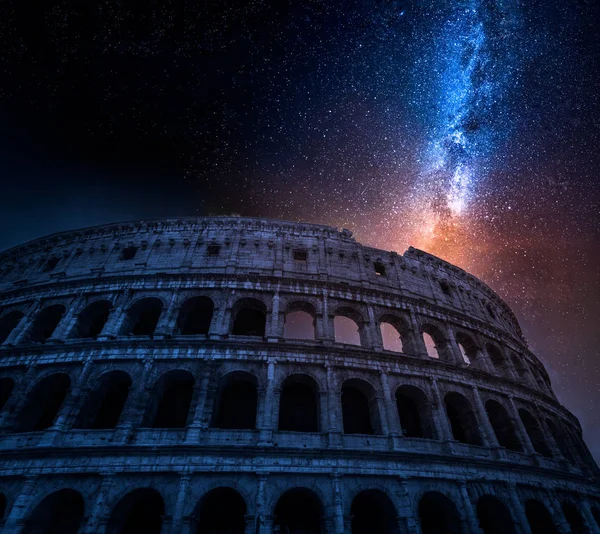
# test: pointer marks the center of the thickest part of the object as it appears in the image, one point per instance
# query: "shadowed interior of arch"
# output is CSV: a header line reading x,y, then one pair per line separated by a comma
x,y
7,385
414,411
359,408
494,517
45,323
170,401
438,514
220,511
373,512
8,323
574,518
299,511
536,436
503,426
139,512
236,404
250,318
298,404
58,513
141,318
195,316
43,403
462,419
91,320
539,518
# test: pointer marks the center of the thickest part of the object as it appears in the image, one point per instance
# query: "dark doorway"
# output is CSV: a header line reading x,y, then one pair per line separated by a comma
x,y
298,405
104,405
142,317
249,318
462,419
195,316
438,514
236,402
373,513
171,399
539,519
535,433
414,410
220,511
59,513
8,323
91,320
139,512
6,387
359,408
502,425
45,323
494,517
43,403
299,511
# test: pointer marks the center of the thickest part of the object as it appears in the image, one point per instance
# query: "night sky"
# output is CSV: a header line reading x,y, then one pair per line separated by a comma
x,y
468,128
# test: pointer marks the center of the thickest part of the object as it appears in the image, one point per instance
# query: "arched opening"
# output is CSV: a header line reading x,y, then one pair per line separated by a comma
x,y
435,343
574,518
6,387
139,512
497,358
519,366
346,328
539,519
494,517
142,317
220,511
250,318
535,433
105,403
438,514
170,401
396,334
45,323
596,514
236,402
414,410
299,321
462,419
92,319
8,323
43,403
561,440
195,316
468,348
299,404
503,426
360,412
391,338
59,513
299,511
373,512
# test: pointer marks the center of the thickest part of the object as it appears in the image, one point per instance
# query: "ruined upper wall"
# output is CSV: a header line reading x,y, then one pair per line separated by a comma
x,y
250,246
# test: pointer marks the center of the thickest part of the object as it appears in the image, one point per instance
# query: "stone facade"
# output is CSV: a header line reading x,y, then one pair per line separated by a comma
x,y
151,380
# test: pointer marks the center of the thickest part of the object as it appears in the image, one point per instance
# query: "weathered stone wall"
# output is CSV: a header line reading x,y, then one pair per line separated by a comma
x,y
274,268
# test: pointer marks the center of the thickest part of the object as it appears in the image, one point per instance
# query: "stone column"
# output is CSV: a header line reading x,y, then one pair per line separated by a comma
x,y
554,450
518,511
470,514
165,327
265,521
177,521
100,511
325,322
483,358
556,512
418,343
274,329
527,445
333,416
67,322
249,524
19,331
440,418
338,509
220,324
198,424
391,410
375,331
586,511
21,508
18,398
490,438
406,516
453,348
117,317
267,423
381,411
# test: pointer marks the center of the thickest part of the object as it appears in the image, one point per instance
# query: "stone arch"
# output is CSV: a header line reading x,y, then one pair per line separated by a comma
x,y
396,334
8,322
520,367
60,512
494,516
414,411
539,518
92,319
436,342
45,323
237,400
105,403
373,512
7,385
503,426
497,358
574,518
349,326
561,440
43,403
299,510
300,321
142,317
299,404
438,513
249,317
467,347
462,419
140,510
170,401
195,316
534,431
360,409
220,510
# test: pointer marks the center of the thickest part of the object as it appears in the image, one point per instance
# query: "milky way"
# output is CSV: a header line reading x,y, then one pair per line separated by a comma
x,y
469,128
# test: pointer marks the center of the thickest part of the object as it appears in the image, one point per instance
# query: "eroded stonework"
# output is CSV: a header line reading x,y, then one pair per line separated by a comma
x,y
152,380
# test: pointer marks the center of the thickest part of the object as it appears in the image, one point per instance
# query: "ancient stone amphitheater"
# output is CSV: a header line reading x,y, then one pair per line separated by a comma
x,y
251,376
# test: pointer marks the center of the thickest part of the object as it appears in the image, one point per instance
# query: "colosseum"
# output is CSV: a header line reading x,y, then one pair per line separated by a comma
x,y
252,376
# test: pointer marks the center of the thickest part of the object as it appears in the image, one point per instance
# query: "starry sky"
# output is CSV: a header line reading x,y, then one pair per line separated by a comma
x,y
468,128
